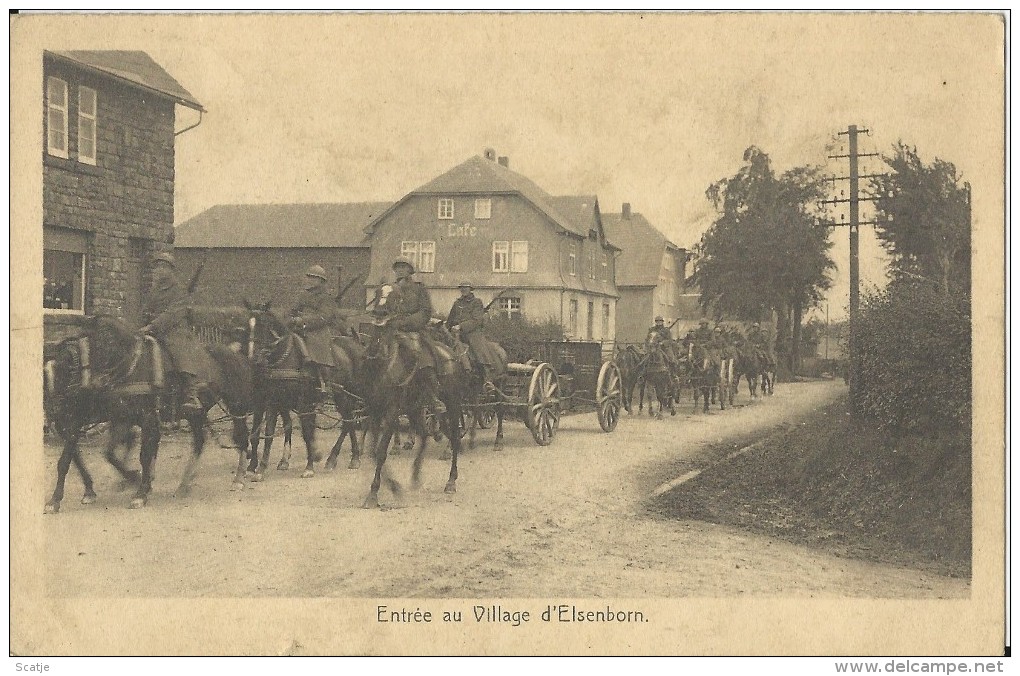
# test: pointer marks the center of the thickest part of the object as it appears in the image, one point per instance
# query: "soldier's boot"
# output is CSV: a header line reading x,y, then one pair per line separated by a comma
x,y
191,386
323,389
432,382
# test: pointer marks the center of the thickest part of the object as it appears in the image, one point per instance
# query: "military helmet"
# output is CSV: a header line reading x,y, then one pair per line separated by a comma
x,y
403,262
164,257
718,329
316,271
755,325
659,319
465,284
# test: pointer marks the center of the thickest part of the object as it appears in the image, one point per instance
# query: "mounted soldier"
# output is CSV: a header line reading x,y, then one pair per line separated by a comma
x,y
316,318
659,330
658,335
165,316
410,311
468,314
759,340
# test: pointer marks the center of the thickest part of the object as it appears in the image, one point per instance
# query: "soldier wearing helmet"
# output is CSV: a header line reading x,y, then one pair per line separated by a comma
x,y
468,314
410,309
165,313
658,331
316,318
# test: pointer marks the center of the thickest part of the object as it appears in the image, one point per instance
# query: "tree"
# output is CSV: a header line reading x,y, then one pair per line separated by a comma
x,y
923,213
764,253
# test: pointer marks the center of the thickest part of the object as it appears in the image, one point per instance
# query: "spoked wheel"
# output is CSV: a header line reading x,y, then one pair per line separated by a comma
x,y
486,417
609,396
543,415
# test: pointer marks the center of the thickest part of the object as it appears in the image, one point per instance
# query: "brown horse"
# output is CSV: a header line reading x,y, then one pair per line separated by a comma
x,y
111,374
397,385
658,372
631,361
286,385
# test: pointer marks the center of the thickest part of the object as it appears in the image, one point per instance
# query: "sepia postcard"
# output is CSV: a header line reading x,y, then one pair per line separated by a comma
x,y
607,333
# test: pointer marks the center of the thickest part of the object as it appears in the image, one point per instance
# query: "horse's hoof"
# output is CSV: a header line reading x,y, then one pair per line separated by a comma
x,y
330,464
182,491
354,464
51,508
88,498
308,474
258,476
371,502
498,446
451,487
237,486
395,487
283,466
137,503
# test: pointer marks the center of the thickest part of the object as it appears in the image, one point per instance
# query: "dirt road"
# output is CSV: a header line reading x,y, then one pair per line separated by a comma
x,y
566,520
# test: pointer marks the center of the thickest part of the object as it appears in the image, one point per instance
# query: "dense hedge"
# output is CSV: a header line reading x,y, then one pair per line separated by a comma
x,y
915,350
517,333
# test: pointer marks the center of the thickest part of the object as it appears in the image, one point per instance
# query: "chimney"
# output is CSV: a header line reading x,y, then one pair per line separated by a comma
x,y
626,211
490,154
504,162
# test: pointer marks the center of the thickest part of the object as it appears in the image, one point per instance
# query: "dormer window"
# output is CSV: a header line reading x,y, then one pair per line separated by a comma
x,y
445,208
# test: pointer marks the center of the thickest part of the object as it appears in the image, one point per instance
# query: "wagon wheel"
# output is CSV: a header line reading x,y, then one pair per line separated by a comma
x,y
486,416
543,414
609,396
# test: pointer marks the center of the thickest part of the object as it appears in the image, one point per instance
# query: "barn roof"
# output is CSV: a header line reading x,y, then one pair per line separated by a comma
x,y
481,176
136,67
323,225
642,244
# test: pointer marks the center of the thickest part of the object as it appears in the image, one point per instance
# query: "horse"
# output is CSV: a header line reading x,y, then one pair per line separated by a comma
x,y
706,370
658,373
397,385
630,361
109,373
477,400
748,366
285,385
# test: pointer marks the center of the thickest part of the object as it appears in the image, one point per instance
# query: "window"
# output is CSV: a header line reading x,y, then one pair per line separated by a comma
x,y
86,125
591,265
501,256
421,254
572,263
426,256
591,320
56,117
445,208
605,321
510,306
605,267
519,256
409,250
64,271
483,208
572,318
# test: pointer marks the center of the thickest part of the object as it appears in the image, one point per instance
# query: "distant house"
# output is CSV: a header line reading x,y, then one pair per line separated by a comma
x,y
486,224
259,252
650,275
108,180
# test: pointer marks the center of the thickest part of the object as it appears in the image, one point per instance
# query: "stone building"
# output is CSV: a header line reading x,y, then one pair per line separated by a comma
x,y
108,180
484,223
651,273
259,252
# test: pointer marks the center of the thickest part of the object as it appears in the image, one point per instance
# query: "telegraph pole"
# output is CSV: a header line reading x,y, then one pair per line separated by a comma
x,y
854,200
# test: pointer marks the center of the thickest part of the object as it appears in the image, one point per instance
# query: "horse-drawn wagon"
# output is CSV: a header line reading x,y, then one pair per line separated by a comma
x,y
561,377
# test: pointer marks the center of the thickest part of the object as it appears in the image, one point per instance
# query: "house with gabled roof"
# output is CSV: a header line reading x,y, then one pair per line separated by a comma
x,y
483,223
110,122
650,275
259,252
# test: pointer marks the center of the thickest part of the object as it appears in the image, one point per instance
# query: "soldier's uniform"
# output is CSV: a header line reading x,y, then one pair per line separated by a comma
x,y
165,314
316,318
410,308
759,340
469,314
660,335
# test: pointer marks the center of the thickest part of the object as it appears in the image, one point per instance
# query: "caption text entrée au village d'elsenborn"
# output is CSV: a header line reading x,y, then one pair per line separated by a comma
x,y
497,614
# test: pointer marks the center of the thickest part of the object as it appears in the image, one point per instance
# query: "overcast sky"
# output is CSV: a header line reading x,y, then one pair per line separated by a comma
x,y
648,110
